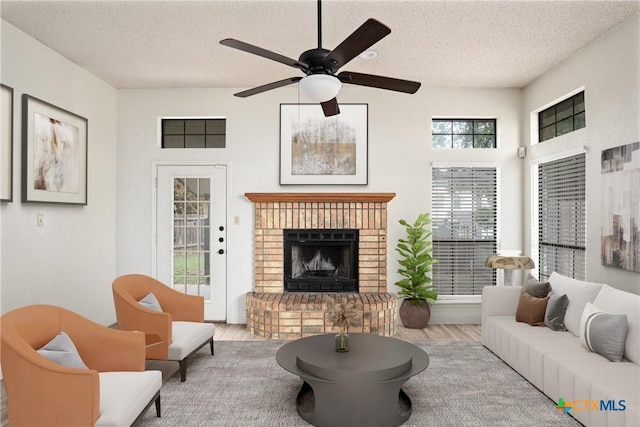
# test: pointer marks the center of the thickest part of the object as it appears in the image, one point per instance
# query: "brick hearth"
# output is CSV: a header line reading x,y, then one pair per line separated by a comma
x,y
288,316
274,314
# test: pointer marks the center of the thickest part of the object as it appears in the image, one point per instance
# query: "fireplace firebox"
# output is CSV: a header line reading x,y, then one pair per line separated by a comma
x,y
320,260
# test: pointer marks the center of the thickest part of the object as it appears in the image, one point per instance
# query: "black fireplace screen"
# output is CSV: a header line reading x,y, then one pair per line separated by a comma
x,y
321,260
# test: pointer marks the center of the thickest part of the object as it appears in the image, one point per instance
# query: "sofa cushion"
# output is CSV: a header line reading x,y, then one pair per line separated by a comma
x,y
616,387
123,396
616,301
535,288
151,302
556,309
603,333
62,351
573,376
579,293
530,344
531,309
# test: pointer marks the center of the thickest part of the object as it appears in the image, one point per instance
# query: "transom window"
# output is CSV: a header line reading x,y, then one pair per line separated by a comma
x,y
463,133
564,117
194,133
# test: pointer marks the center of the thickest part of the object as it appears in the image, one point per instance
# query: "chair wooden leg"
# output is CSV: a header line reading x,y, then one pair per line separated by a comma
x,y
155,399
158,410
211,344
183,370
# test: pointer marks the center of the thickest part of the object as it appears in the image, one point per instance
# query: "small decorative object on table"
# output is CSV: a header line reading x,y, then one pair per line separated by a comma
x,y
342,314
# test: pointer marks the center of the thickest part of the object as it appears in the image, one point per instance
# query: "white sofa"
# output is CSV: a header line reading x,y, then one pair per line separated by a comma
x,y
557,363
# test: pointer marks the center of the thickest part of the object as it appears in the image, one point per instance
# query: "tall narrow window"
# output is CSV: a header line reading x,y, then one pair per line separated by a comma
x,y
564,117
464,228
561,217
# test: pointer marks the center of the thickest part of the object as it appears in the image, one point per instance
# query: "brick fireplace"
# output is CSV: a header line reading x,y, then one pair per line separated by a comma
x,y
274,313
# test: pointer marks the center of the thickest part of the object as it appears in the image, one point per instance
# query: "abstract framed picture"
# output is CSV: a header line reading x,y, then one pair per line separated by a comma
x,y
54,154
620,168
6,143
315,149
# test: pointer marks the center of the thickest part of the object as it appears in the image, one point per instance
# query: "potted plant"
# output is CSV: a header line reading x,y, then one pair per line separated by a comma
x,y
416,263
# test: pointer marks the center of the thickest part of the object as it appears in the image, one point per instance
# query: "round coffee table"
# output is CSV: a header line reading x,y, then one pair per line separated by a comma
x,y
362,387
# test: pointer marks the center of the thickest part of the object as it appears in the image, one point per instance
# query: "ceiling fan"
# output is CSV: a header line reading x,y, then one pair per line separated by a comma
x,y
321,83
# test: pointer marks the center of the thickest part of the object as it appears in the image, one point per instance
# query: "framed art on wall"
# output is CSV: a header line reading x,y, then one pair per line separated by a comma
x,y
6,143
54,154
315,149
620,168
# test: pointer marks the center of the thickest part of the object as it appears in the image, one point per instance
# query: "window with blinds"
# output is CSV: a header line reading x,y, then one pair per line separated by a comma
x,y
463,201
562,217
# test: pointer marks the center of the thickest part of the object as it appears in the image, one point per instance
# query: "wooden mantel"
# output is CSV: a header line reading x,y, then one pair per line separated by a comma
x,y
320,197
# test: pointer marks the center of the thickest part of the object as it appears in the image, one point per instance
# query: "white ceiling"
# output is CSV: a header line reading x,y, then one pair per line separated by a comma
x,y
153,44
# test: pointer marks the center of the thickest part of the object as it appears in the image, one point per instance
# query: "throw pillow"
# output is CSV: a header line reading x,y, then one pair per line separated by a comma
x,y
535,288
616,301
61,350
603,333
556,308
151,302
579,293
531,309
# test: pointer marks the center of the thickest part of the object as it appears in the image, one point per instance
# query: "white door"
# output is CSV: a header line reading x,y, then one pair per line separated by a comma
x,y
191,233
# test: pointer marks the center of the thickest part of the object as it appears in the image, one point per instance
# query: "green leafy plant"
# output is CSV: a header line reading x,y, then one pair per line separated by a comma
x,y
416,261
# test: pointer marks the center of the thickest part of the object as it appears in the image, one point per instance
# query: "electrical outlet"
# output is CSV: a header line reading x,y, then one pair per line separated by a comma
x,y
40,220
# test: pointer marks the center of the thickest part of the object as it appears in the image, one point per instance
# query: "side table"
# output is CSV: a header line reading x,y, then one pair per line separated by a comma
x,y
152,339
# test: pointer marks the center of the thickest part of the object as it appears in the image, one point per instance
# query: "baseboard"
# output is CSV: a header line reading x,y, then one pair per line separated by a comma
x,y
456,313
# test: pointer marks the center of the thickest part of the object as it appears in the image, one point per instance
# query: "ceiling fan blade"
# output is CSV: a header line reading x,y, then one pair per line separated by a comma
x,y
360,40
246,47
330,107
269,86
379,82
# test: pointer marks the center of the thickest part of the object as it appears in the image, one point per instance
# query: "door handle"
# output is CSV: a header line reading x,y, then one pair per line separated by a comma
x,y
220,251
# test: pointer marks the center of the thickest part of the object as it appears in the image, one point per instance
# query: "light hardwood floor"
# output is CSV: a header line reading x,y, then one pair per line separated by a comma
x,y
439,333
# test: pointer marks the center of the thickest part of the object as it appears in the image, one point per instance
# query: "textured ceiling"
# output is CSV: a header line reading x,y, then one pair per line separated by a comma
x,y
152,44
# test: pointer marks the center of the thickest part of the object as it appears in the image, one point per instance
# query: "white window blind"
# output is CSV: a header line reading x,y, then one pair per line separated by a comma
x,y
464,228
562,217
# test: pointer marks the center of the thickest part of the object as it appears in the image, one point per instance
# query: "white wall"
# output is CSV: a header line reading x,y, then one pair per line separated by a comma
x,y
609,71
400,156
71,260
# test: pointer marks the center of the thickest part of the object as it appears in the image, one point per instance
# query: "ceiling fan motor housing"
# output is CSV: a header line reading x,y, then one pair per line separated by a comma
x,y
314,58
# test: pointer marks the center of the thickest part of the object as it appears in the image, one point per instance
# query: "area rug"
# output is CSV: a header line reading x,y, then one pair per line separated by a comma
x,y
242,385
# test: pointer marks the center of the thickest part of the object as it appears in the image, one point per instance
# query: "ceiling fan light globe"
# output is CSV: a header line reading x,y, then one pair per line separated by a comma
x,y
320,87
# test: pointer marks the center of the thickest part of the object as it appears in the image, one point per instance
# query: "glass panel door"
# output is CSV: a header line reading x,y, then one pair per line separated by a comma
x,y
191,233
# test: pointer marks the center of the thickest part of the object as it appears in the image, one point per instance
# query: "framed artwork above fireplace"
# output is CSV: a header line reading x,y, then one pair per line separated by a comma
x,y
315,149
